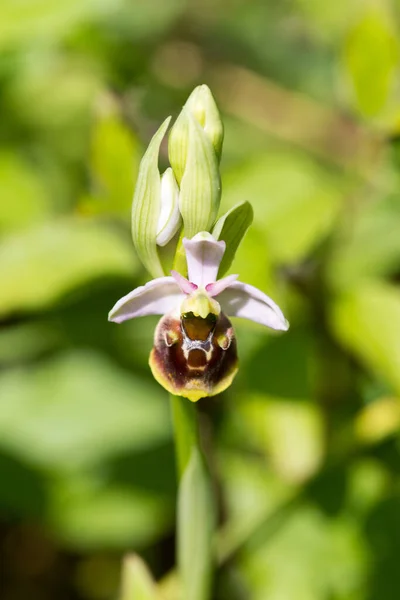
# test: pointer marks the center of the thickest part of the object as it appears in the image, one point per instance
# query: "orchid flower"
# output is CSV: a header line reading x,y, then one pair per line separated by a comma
x,y
194,353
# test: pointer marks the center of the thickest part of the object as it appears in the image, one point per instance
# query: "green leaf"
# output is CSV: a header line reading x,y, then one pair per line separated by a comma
x,y
88,510
114,163
146,205
196,521
137,581
78,410
366,320
333,561
43,19
290,432
253,493
295,201
24,198
27,341
231,228
41,265
371,57
370,248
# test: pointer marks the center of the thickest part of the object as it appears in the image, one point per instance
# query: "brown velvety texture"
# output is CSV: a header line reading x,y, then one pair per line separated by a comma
x,y
194,357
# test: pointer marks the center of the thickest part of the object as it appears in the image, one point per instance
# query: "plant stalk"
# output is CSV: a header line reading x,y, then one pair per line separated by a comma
x,y
195,505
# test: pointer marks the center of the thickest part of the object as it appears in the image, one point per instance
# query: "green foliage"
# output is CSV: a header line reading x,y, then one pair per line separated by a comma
x,y
115,164
137,583
295,201
371,57
77,410
43,264
25,200
367,319
303,449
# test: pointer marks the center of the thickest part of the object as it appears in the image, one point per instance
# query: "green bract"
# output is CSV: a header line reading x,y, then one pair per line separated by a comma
x,y
231,228
147,204
202,107
194,149
200,191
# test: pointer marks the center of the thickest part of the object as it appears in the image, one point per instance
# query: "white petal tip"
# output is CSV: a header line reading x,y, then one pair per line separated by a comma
x,y
279,324
112,318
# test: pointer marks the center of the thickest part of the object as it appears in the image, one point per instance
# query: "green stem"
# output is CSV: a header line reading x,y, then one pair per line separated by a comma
x,y
186,430
195,506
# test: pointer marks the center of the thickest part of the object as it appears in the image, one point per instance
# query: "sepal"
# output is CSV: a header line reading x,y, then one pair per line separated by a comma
x,y
231,228
147,204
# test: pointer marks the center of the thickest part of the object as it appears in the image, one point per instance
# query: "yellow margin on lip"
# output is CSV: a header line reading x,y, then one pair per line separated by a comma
x,y
192,395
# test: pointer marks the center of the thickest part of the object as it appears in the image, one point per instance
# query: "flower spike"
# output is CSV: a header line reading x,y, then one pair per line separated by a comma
x,y
195,351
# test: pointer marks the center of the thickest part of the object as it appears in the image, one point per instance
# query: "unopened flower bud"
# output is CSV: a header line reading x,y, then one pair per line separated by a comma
x,y
201,106
169,219
194,149
200,190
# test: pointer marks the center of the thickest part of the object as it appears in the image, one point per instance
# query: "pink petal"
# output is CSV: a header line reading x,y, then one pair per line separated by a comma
x,y
203,255
248,302
219,286
157,297
187,287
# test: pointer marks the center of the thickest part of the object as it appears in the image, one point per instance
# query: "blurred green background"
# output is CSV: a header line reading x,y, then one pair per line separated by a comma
x,y
305,446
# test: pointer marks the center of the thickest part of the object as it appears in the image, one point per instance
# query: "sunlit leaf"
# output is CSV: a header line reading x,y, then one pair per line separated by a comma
x,y
252,492
378,420
295,202
77,410
88,510
368,246
56,95
371,57
27,341
30,19
332,561
39,266
137,581
366,320
24,198
115,163
289,431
